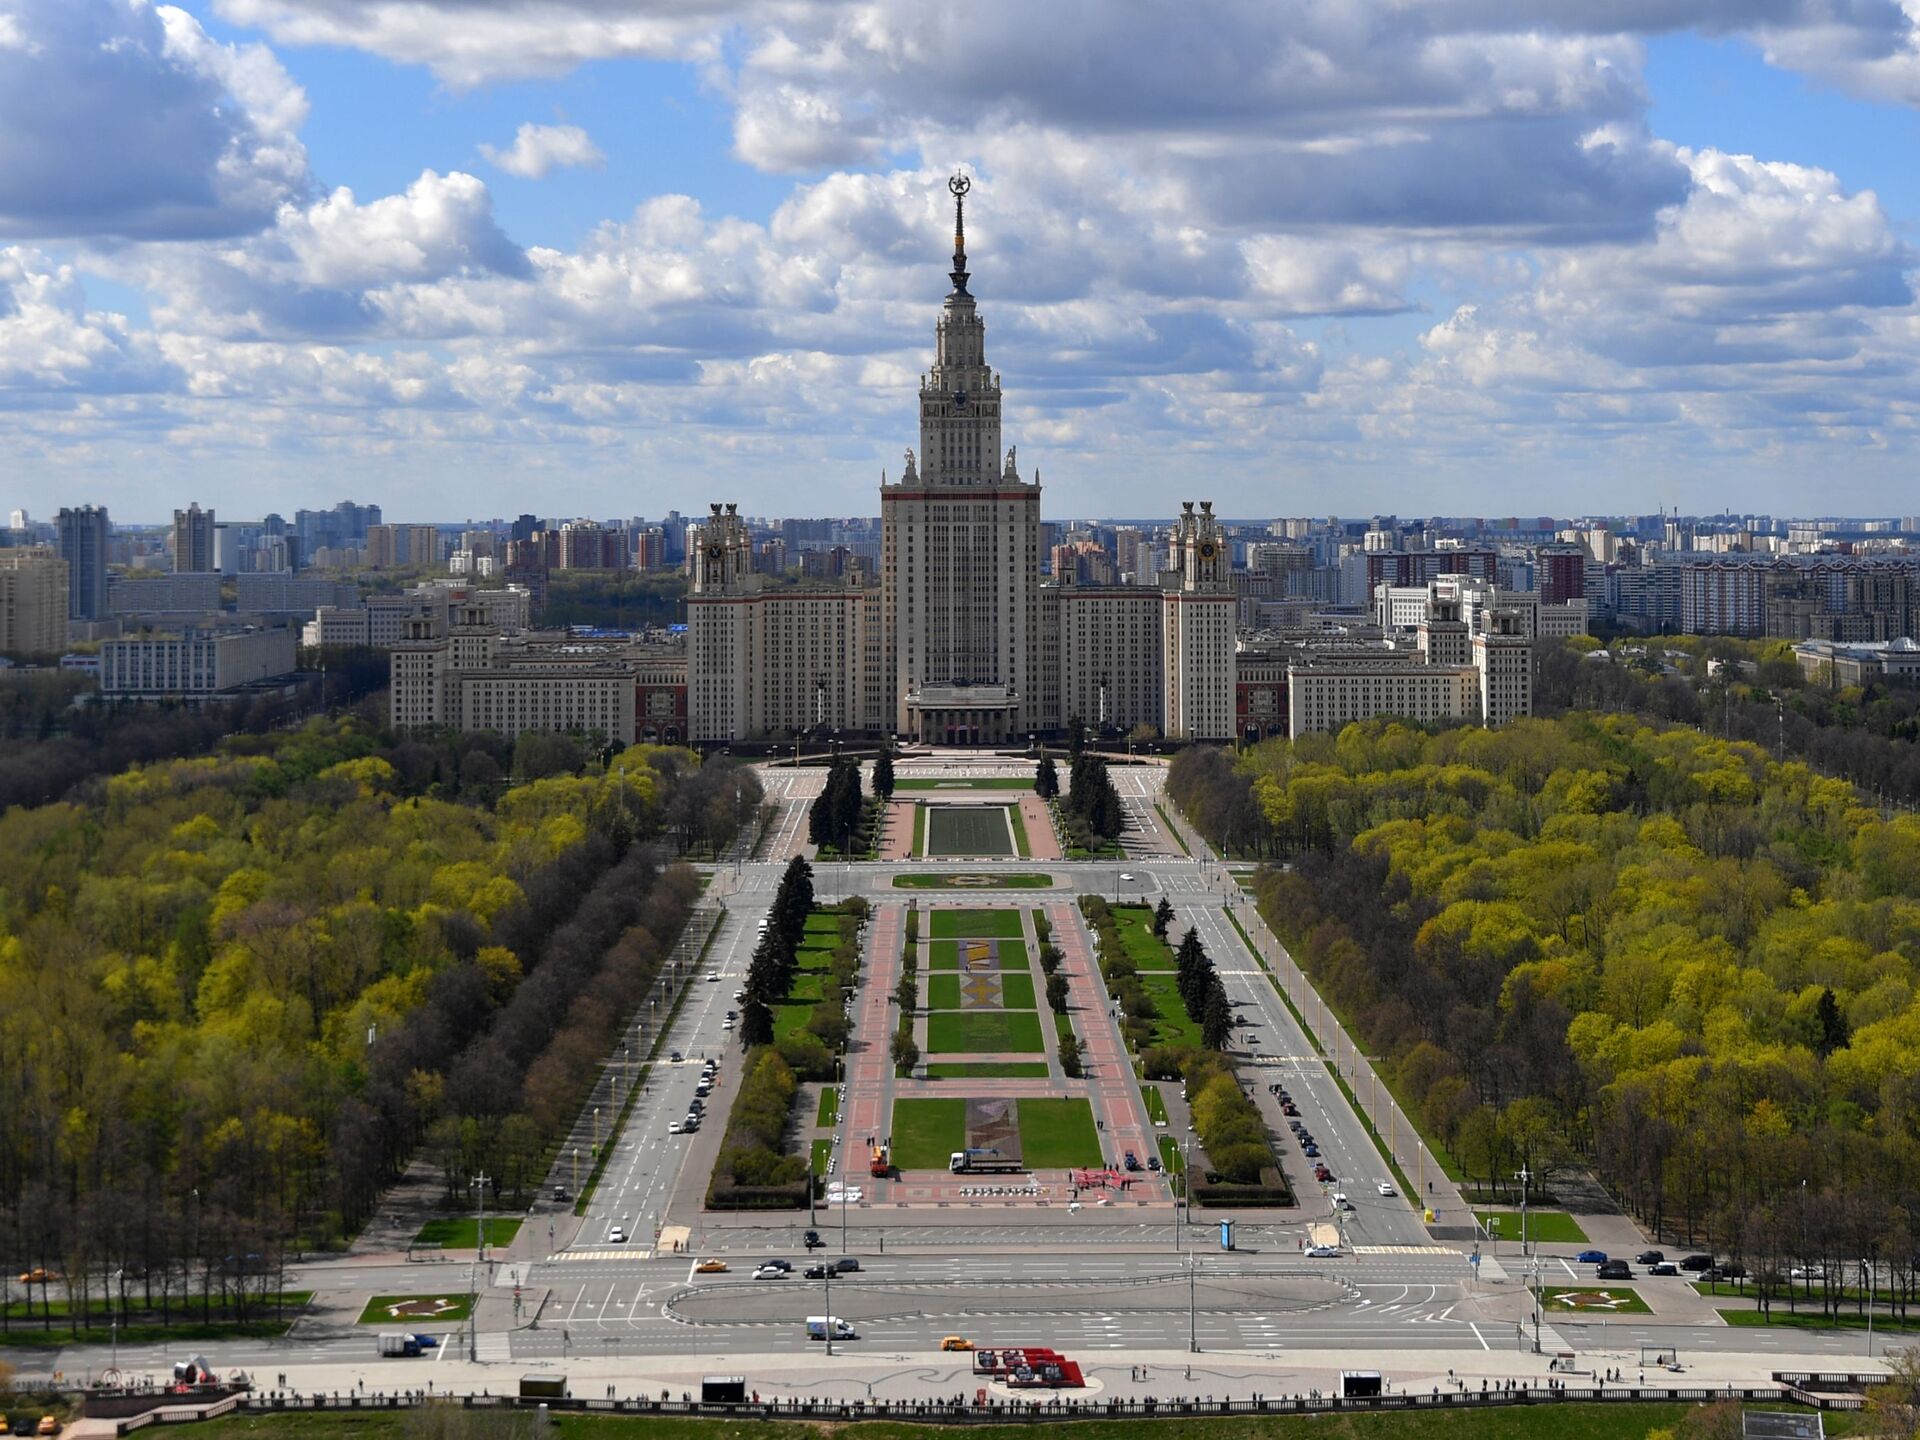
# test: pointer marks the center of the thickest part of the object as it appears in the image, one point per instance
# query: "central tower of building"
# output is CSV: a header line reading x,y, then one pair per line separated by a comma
x,y
961,546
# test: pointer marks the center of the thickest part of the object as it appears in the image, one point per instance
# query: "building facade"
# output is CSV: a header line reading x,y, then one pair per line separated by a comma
x,y
193,540
959,643
33,601
84,533
198,663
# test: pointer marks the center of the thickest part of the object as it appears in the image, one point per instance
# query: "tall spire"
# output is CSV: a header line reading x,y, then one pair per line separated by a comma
x,y
959,185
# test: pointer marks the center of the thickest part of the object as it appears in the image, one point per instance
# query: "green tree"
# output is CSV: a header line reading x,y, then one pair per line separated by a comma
x,y
756,1022
1071,1064
1163,917
1046,779
883,774
1216,1018
1057,992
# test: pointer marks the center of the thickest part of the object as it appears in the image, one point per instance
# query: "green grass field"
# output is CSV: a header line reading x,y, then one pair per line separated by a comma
x,y
984,782
919,830
1019,828
968,830
1173,1025
943,991
988,1070
822,1153
434,1310
984,1032
926,1132
1147,950
1519,1422
1016,992
790,1020
975,925
1156,1104
1566,1300
973,882
1057,1133
463,1232
946,955
1554,1226
1786,1319
829,1107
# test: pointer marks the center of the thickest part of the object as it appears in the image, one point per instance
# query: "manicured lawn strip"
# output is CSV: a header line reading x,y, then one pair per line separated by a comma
x,y
961,830
1630,1301
984,1032
1062,1024
808,988
1016,991
1156,1104
984,782
1802,1320
27,1332
375,1313
790,1020
1171,1160
987,1070
822,1153
462,1232
919,830
1517,1422
1057,1134
926,1132
975,924
1147,950
829,1107
943,991
822,925
1173,1026
1020,846
1553,1226
987,881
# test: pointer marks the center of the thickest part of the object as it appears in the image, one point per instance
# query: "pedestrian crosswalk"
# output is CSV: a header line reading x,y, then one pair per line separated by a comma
x,y
1435,1250
492,1345
623,1252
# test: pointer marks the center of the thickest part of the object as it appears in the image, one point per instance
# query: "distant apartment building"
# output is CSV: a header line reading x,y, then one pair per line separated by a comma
x,y
196,663
284,593
193,540
159,595
382,547
33,601
423,546
381,621
85,535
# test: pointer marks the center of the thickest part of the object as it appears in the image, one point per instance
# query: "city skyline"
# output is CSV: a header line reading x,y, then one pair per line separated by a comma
x,y
275,248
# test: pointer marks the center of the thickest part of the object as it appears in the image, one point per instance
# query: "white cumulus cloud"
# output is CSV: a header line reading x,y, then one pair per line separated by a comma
x,y
538,150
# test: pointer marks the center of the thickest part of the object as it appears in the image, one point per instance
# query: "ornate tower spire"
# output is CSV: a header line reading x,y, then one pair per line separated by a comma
x,y
959,185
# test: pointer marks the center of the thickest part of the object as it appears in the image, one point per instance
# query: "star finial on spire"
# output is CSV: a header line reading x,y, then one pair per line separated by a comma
x,y
959,185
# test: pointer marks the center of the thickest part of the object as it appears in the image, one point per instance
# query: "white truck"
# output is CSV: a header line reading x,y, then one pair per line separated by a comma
x,y
983,1160
819,1326
392,1344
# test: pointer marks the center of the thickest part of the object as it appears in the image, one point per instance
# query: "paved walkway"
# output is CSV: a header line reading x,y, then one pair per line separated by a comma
x,y
1117,1107
1042,843
896,831
866,1106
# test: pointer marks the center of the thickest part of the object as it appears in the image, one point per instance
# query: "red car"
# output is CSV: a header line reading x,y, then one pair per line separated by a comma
x,y
1321,1172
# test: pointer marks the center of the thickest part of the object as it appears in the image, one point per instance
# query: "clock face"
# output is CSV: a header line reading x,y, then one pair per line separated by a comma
x,y
959,399
714,552
1208,550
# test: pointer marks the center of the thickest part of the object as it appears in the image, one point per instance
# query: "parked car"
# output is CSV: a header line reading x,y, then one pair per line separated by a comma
x,y
675,1127
1697,1262
1312,1152
1614,1270
1130,1161
1322,1174
561,1194
39,1275
690,1125
1153,1163
1591,1257
1648,1257
48,1426
812,1240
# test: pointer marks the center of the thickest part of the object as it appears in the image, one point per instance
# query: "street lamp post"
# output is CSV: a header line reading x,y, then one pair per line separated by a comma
x,y
1193,1308
1867,1265
826,1287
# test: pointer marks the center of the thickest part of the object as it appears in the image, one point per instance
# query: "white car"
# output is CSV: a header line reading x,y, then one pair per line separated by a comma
x,y
1386,1188
616,1236
1126,877
713,977
1322,1252
674,1127
770,1272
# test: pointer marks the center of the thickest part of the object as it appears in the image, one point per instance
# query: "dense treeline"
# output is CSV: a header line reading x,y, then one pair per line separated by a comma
x,y
238,993
834,818
1672,958
1091,811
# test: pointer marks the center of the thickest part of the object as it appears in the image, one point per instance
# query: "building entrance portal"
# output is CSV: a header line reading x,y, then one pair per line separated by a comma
x,y
963,715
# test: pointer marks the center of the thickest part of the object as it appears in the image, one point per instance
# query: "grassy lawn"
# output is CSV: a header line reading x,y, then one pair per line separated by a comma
x,y
943,991
1020,845
1057,1134
968,830
919,830
973,882
1566,1300
463,1232
1174,1026
946,955
926,1132
1062,1024
822,925
822,1153
1784,1319
1519,1422
1147,950
984,1032
975,925
790,1020
1171,1160
1016,992
809,987
1554,1226
829,1107
1156,1104
988,1070
984,782
434,1310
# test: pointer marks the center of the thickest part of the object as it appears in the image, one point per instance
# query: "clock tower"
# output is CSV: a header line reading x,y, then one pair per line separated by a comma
x,y
960,566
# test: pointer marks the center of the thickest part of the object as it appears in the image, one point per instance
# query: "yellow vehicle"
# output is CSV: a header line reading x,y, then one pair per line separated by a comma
x,y
49,1425
710,1267
38,1276
956,1342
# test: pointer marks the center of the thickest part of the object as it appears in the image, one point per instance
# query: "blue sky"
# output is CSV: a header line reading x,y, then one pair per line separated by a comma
x,y
469,257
